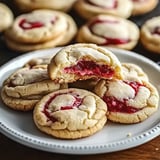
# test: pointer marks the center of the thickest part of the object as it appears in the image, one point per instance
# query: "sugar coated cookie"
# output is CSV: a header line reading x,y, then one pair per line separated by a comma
x,y
90,8
128,101
40,29
26,86
70,114
150,34
29,5
83,61
106,30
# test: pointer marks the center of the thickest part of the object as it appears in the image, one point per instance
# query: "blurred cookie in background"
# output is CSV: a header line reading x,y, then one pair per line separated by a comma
x,y
40,29
109,31
90,8
143,6
150,34
6,17
29,5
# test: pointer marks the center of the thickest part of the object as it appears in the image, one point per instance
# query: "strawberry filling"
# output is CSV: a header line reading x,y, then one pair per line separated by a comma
x,y
47,112
156,30
113,6
108,40
84,68
24,24
115,105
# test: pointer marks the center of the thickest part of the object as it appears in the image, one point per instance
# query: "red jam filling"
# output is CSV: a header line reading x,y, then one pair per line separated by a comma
x,y
108,40
156,30
24,24
76,104
139,0
114,4
90,68
115,105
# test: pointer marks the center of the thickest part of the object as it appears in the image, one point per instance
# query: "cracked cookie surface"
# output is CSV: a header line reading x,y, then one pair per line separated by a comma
x,y
80,114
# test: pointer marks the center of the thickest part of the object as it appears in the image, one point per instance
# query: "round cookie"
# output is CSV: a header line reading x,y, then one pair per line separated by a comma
x,y
128,101
70,114
83,61
40,29
106,30
143,6
25,87
150,34
29,5
6,17
90,8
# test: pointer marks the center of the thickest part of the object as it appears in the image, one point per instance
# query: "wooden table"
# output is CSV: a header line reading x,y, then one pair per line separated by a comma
x,y
12,150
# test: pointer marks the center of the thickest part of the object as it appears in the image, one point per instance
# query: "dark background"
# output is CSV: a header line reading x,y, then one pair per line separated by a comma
x,y
7,54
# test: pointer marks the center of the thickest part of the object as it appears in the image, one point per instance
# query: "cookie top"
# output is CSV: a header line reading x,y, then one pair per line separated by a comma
x,y
38,26
6,17
29,5
26,86
150,34
83,61
128,101
108,30
143,6
133,72
90,8
70,113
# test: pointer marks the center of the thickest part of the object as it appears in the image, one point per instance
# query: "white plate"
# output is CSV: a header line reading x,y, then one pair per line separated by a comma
x,y
113,137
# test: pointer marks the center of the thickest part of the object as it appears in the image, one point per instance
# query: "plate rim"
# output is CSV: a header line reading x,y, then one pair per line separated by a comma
x,y
33,142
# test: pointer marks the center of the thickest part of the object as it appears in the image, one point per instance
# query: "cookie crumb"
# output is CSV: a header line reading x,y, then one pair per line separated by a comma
x,y
129,134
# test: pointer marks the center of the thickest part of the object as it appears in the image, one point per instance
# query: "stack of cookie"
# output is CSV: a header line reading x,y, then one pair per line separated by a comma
x,y
119,92
40,29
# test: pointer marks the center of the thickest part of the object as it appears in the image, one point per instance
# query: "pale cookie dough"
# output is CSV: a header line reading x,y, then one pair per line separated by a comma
x,y
150,34
25,87
40,29
143,6
29,5
83,61
90,8
109,31
128,101
133,72
6,17
70,114
38,62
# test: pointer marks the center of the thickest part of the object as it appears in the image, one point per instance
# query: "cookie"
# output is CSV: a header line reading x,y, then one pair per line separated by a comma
x,y
106,30
29,5
80,114
133,72
83,61
128,101
150,34
141,7
26,86
90,8
6,17
40,29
